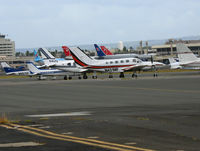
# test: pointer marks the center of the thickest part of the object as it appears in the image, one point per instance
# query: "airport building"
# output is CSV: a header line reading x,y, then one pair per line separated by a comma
x,y
7,48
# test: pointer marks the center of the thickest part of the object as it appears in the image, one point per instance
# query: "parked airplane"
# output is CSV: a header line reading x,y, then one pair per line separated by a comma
x,y
50,61
103,54
108,65
34,70
186,57
14,71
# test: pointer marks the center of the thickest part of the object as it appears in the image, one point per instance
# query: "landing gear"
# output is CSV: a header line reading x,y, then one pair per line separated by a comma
x,y
134,75
53,78
85,76
41,78
110,76
65,77
155,75
79,77
121,75
94,75
70,77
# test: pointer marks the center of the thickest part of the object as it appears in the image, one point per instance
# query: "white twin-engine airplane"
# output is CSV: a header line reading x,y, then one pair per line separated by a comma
x,y
52,72
110,65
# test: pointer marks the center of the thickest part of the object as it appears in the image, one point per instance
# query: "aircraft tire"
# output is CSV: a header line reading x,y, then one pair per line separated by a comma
x,y
85,77
65,77
110,76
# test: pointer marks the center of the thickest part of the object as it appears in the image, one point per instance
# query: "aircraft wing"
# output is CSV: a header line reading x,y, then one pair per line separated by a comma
x,y
72,69
134,67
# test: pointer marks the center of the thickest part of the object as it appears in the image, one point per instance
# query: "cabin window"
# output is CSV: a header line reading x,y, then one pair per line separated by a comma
x,y
69,64
111,62
106,62
122,61
127,60
116,61
134,60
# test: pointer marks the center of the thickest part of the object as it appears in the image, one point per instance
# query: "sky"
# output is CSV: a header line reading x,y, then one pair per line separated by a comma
x,y
45,23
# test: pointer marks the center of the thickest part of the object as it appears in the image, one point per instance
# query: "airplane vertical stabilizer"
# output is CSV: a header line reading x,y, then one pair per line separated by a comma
x,y
45,53
100,53
32,68
5,65
185,54
105,50
80,57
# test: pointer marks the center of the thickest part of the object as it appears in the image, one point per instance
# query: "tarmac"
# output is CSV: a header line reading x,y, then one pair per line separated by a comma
x,y
102,114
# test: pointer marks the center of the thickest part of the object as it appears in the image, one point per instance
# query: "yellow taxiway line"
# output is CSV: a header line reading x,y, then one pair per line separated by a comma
x,y
86,141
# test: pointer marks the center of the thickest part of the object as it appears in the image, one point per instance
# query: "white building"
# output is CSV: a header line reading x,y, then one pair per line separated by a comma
x,y
120,45
7,47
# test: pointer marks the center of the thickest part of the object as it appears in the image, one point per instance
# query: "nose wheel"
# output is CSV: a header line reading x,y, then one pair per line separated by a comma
x,y
121,75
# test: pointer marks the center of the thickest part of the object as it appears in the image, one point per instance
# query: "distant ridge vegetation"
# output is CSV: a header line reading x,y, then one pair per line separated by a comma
x,y
128,44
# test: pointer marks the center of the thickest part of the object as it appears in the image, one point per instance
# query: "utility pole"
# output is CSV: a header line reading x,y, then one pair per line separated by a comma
x,y
140,47
171,46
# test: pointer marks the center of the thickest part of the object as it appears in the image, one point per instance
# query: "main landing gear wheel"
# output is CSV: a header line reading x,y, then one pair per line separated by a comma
x,y
134,75
79,77
121,75
155,75
85,77
110,76
94,77
65,77
70,77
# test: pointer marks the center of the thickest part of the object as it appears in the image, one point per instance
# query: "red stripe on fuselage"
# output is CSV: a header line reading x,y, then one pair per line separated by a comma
x,y
78,61
101,67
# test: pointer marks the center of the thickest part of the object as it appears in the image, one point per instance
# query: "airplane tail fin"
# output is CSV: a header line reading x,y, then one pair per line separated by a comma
x,y
32,68
37,57
45,53
184,53
7,68
100,53
4,65
66,51
105,50
80,57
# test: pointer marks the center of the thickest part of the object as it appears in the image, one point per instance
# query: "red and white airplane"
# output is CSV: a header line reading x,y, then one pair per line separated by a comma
x,y
108,65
